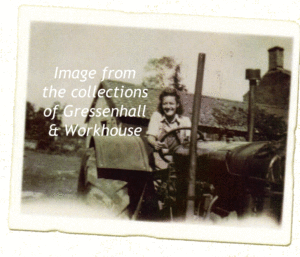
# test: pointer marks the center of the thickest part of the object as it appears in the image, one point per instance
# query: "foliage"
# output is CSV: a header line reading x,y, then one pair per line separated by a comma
x,y
38,125
268,126
163,72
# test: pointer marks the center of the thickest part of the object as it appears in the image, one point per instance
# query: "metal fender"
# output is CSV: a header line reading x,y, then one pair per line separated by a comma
x,y
121,152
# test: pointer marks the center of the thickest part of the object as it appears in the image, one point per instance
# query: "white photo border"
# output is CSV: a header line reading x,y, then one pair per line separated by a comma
x,y
19,220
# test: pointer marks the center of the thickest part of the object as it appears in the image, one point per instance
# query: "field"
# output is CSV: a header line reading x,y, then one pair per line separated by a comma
x,y
49,186
51,175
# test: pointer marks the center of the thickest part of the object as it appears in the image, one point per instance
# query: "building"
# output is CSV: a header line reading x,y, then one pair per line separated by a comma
x,y
273,91
216,116
209,123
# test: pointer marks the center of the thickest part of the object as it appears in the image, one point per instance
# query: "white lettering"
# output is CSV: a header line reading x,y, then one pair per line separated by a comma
x,y
102,131
71,129
82,75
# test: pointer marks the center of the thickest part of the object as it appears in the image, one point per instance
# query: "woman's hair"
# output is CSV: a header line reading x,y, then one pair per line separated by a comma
x,y
170,91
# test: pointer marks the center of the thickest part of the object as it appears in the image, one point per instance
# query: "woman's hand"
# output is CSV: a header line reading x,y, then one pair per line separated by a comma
x,y
159,145
155,143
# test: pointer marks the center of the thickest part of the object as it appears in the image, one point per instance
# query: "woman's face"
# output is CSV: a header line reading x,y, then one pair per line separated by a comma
x,y
169,106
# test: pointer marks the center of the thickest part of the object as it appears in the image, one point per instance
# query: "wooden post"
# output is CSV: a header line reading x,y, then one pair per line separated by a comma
x,y
190,205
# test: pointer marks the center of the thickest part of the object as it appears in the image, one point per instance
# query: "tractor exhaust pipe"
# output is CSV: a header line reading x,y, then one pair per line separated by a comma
x,y
190,203
253,76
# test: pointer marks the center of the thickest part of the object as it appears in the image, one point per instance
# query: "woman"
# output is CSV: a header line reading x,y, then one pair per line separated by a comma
x,y
167,117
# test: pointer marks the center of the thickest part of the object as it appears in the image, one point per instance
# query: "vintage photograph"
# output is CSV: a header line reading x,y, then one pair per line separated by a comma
x,y
162,127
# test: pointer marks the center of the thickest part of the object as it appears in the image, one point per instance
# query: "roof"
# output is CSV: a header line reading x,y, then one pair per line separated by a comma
x,y
213,110
275,48
211,113
151,101
278,70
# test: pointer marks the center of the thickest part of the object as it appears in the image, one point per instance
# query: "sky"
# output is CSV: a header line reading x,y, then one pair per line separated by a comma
x,y
94,47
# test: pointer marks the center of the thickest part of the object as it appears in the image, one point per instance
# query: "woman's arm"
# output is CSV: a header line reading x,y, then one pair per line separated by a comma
x,y
155,143
153,132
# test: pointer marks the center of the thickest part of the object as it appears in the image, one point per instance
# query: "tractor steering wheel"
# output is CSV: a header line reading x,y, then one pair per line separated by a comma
x,y
174,131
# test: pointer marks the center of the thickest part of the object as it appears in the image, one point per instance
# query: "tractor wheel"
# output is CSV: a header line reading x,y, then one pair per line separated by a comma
x,y
109,194
82,186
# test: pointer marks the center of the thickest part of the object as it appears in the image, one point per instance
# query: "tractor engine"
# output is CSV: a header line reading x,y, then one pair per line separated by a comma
x,y
237,176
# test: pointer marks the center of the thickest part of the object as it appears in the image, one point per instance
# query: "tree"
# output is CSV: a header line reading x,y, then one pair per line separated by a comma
x,y
268,126
30,115
38,125
163,72
176,79
57,119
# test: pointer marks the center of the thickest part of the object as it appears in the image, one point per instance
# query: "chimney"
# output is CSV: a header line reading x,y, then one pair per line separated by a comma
x,y
275,58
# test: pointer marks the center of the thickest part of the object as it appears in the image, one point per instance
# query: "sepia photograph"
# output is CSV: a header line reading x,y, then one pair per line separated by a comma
x,y
154,125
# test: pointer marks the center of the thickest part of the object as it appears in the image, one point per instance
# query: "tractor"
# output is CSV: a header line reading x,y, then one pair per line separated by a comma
x,y
241,177
203,178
